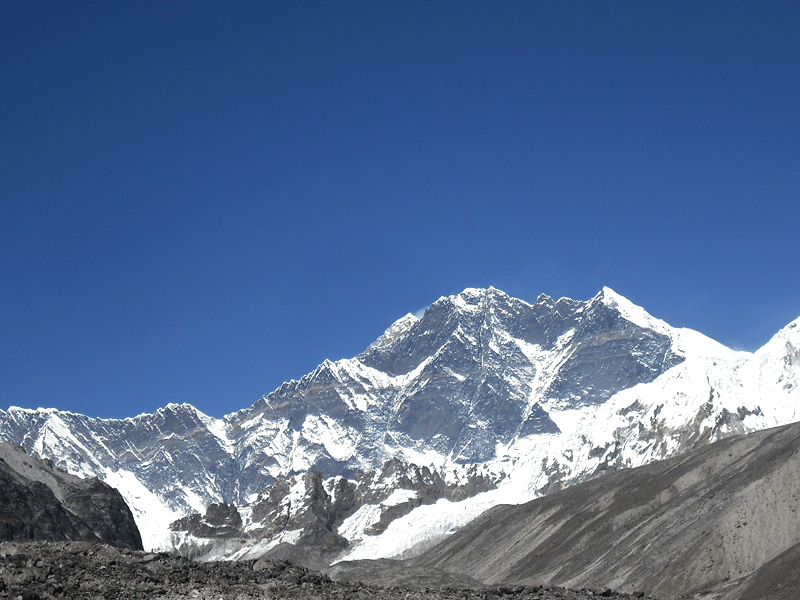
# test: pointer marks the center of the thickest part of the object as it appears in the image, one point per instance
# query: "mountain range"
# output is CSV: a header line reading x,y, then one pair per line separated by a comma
x,y
483,400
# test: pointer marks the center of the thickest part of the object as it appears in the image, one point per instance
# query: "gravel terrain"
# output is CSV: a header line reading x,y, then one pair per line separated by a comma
x,y
47,570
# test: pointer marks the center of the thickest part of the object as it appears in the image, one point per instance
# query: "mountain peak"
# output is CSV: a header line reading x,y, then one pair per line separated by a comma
x,y
544,300
475,299
394,331
631,312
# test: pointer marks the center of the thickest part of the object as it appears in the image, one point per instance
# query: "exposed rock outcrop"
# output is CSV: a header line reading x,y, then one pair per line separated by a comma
x,y
40,502
309,511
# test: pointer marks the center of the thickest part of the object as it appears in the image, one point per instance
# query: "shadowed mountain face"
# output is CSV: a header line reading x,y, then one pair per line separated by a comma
x,y
484,399
461,379
39,502
477,339
722,519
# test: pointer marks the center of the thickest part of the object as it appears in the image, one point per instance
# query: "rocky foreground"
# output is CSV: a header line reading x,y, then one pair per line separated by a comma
x,y
47,570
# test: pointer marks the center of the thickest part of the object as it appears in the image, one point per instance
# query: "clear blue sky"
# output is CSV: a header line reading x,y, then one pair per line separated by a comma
x,y
199,201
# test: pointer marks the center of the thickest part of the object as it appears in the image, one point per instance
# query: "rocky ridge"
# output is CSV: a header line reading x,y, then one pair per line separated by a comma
x,y
39,501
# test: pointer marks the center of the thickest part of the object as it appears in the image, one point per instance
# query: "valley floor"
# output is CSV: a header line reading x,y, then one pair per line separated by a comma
x,y
48,570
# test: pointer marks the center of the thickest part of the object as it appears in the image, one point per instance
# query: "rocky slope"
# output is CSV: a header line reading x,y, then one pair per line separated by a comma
x,y
722,521
485,399
38,501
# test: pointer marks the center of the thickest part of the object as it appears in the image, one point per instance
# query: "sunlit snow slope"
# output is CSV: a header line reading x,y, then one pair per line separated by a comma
x,y
484,399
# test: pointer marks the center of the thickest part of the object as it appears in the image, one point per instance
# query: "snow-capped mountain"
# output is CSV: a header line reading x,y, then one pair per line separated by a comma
x,y
485,399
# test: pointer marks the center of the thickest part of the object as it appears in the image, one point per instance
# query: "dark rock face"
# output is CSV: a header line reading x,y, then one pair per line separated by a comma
x,y
41,502
82,570
611,354
324,509
220,521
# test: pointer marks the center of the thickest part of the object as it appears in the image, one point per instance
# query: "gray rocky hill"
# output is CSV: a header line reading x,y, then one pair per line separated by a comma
x,y
41,502
721,522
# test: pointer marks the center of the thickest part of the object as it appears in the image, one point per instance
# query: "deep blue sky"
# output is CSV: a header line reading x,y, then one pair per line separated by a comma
x,y
199,201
